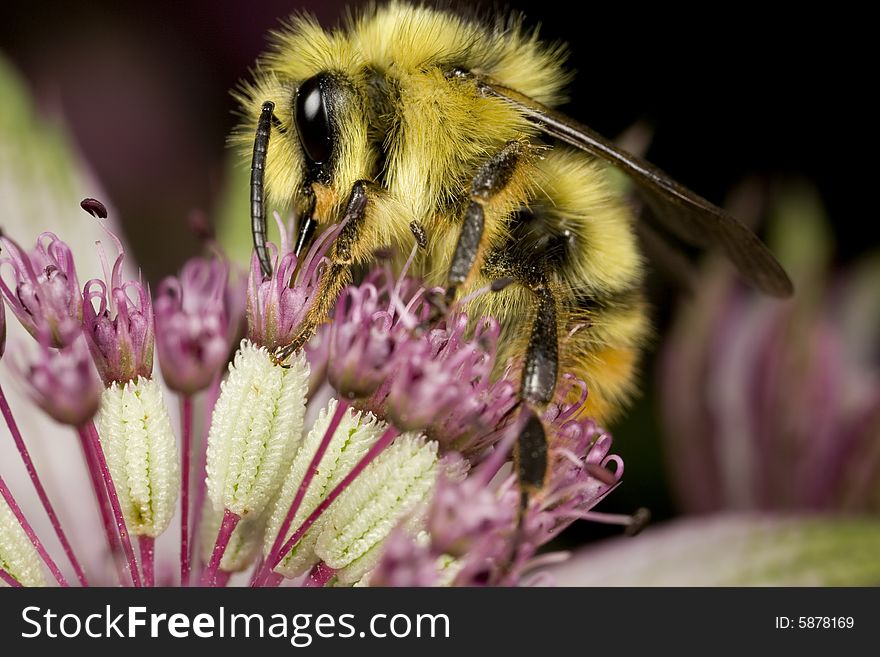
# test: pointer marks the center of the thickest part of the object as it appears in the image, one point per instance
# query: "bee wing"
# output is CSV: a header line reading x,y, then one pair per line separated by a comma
x,y
675,208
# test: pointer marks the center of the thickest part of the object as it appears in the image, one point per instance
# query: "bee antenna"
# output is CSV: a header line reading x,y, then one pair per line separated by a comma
x,y
258,167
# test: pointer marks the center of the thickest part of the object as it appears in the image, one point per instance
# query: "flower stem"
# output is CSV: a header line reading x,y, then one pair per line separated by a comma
x,y
222,577
103,504
274,558
9,579
147,546
492,465
386,439
25,525
319,576
201,478
125,538
186,413
258,570
38,486
230,522
271,580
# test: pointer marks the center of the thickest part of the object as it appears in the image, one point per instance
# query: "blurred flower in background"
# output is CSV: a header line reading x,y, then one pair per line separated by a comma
x,y
42,181
776,405
771,415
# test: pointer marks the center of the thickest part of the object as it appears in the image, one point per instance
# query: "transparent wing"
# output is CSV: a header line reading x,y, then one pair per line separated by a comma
x,y
675,208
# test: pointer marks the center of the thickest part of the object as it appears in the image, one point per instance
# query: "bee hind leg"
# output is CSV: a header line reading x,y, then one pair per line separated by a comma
x,y
542,357
540,372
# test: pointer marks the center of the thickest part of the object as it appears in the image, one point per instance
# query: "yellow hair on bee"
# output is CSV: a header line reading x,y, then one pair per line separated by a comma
x,y
450,132
434,267
585,203
456,129
415,38
297,53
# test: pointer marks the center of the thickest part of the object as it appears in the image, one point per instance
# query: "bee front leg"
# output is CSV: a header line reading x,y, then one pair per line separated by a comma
x,y
338,272
491,179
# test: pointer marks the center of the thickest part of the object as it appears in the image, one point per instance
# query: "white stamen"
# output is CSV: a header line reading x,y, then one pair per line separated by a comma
x,y
255,430
17,554
393,486
353,438
141,451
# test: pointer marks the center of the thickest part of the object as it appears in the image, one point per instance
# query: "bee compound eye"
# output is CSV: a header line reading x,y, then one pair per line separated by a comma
x,y
313,119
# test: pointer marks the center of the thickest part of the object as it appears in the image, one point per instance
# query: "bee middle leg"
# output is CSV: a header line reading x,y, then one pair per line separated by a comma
x,y
489,181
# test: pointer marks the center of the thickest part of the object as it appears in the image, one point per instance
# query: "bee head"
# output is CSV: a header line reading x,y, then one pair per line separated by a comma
x,y
317,145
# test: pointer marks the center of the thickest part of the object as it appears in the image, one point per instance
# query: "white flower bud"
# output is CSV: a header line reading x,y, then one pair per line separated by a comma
x,y
244,544
141,451
393,486
255,430
354,436
17,554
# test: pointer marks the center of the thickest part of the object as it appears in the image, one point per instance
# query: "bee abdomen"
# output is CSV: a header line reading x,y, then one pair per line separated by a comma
x,y
600,343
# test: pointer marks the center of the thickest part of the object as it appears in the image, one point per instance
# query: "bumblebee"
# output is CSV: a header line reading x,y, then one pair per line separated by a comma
x,y
416,125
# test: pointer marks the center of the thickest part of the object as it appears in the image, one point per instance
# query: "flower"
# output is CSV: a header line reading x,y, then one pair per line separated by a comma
x,y
255,430
134,449
354,435
277,304
477,534
772,405
385,463
324,463
44,290
437,380
772,421
63,382
2,329
390,488
436,374
734,549
120,331
192,324
141,451
361,341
